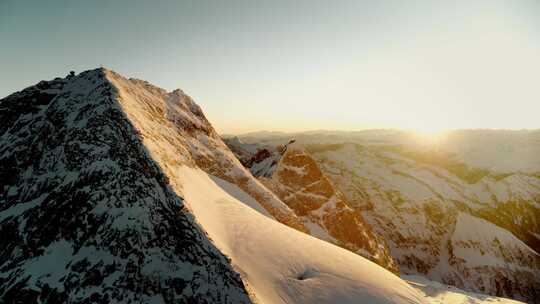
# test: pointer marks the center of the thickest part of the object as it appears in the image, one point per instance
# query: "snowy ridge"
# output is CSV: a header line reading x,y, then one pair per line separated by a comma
x,y
86,216
472,228
282,265
160,117
478,246
276,262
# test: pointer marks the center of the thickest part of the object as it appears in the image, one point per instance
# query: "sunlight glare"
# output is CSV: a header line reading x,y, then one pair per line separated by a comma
x,y
430,136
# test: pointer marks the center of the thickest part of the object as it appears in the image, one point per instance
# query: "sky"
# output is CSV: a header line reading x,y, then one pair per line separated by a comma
x,y
297,65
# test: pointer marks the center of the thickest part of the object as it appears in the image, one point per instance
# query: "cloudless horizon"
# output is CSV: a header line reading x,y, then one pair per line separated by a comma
x,y
297,65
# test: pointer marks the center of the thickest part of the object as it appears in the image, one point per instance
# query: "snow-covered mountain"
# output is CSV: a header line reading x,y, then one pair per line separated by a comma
x,y
472,227
424,211
114,190
86,213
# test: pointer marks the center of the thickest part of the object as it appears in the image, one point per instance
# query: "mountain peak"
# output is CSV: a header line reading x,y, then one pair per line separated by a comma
x,y
87,213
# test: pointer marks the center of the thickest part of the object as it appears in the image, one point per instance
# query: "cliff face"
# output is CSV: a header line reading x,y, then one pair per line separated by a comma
x,y
295,177
86,215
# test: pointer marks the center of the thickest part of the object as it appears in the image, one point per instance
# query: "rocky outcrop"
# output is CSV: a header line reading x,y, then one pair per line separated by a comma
x,y
291,173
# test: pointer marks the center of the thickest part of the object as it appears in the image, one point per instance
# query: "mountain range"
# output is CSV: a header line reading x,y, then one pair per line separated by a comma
x,y
444,213
115,190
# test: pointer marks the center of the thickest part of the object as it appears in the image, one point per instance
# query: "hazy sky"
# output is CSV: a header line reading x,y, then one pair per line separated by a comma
x,y
297,65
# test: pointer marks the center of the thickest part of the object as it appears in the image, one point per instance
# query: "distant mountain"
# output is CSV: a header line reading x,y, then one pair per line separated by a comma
x,y
499,151
445,213
418,206
116,191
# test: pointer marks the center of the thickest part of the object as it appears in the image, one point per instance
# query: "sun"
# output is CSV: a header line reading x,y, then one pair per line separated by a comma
x,y
429,135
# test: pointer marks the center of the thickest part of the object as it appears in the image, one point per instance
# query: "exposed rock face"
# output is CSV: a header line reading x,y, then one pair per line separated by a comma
x,y
86,214
291,173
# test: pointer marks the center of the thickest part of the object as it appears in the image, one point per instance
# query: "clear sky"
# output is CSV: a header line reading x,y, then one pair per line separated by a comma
x,y
297,65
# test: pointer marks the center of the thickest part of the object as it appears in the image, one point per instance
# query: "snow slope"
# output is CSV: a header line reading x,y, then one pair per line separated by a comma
x,y
281,265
